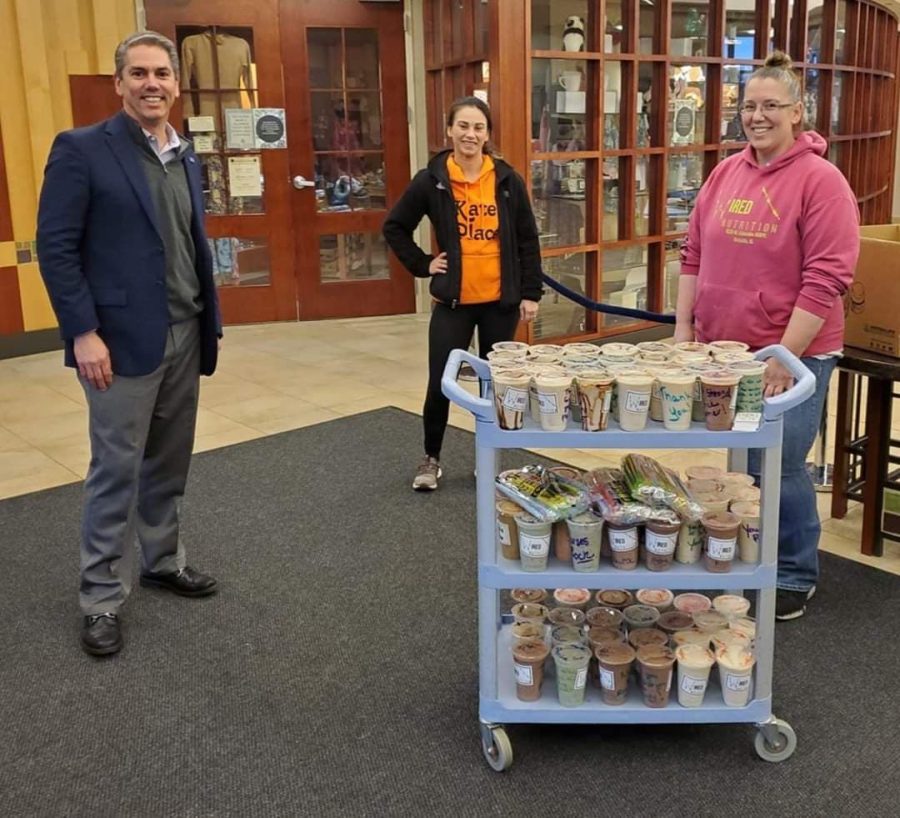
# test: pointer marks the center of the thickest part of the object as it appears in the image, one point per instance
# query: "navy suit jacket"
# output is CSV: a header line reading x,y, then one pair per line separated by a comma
x,y
101,253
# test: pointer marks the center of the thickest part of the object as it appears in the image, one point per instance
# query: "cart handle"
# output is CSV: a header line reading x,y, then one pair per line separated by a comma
x,y
481,408
804,381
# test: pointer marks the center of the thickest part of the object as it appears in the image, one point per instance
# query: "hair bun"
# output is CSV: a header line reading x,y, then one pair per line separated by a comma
x,y
778,59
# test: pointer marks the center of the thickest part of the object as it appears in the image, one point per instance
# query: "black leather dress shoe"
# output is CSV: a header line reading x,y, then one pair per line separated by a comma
x,y
101,634
186,582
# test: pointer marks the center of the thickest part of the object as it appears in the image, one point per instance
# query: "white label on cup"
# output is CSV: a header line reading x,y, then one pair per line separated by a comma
x,y
637,401
721,549
607,679
547,403
515,399
737,683
695,687
503,533
534,546
661,544
524,675
623,540
580,679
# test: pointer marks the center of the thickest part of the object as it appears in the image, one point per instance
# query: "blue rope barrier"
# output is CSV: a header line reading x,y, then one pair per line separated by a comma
x,y
609,309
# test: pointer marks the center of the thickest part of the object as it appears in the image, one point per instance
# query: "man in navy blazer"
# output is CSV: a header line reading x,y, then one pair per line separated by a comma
x,y
124,256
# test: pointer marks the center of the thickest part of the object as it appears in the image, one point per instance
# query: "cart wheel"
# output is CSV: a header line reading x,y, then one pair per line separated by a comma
x,y
498,753
784,746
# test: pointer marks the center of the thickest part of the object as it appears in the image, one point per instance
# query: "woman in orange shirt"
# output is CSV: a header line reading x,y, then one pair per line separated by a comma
x,y
487,273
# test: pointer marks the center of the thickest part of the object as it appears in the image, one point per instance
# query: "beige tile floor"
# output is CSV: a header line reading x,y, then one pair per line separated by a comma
x,y
276,377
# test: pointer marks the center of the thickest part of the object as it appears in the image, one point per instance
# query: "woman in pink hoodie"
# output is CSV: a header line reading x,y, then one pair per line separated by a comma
x,y
771,248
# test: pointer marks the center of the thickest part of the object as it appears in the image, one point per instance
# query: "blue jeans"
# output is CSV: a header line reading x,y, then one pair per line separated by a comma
x,y
798,518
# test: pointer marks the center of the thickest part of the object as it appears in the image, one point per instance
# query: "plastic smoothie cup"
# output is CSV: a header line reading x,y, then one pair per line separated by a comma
x,y
676,391
553,394
712,502
751,386
525,632
640,616
566,635
689,547
674,621
533,595
750,494
660,541
748,533
710,621
721,540
614,665
600,635
704,473
572,597
655,664
647,636
695,347
581,349
617,598
534,541
656,368
691,602
690,636
659,598
623,542
616,351
736,675
746,626
727,346
544,349
511,397
733,606
566,617
507,530
533,369
532,612
595,388
633,392
571,673
694,664
697,368
729,358
719,390
727,637
510,346
584,541
528,663
604,617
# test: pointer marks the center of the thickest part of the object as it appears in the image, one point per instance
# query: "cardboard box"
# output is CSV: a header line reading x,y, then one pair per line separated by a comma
x,y
872,306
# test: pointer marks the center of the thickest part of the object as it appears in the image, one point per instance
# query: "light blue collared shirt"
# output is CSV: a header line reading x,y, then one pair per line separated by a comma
x,y
169,151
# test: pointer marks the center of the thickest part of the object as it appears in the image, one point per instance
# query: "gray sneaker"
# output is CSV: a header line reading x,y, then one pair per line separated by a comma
x,y
427,474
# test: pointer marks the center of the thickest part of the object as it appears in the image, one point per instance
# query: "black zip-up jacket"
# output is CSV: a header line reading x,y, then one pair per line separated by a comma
x,y
429,194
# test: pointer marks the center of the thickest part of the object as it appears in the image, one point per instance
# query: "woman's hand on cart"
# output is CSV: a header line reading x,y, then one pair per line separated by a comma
x,y
778,378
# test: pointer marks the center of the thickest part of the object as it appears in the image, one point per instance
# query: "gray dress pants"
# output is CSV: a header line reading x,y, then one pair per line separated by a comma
x,y
142,436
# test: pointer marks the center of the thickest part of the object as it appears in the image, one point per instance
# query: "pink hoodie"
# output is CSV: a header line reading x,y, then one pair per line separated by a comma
x,y
763,240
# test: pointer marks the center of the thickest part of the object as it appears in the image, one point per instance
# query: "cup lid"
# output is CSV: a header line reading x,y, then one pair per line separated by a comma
x,y
694,654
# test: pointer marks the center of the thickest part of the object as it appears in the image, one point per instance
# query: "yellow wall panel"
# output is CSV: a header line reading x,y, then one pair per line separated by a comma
x,y
36,310
7,254
16,127
107,34
34,55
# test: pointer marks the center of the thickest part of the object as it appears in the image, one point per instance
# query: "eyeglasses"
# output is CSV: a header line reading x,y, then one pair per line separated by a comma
x,y
769,107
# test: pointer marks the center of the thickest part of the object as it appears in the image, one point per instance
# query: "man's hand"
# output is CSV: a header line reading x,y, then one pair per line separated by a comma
x,y
92,357
777,378
528,310
438,265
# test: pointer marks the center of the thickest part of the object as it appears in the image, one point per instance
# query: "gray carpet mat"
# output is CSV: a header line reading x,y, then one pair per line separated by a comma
x,y
335,673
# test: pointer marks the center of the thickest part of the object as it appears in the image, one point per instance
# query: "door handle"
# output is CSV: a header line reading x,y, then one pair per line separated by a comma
x,y
300,182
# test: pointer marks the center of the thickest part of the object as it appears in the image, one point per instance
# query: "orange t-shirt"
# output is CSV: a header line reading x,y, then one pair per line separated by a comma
x,y
478,224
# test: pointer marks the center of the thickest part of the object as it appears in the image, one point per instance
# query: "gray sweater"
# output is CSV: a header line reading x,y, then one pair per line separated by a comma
x,y
172,200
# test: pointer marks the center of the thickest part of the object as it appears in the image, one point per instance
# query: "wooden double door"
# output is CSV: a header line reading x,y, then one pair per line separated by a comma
x,y
295,229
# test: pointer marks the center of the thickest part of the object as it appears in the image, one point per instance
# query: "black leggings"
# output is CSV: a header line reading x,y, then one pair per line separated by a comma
x,y
453,329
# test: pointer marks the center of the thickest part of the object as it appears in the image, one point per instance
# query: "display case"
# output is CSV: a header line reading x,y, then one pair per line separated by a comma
x,y
627,107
